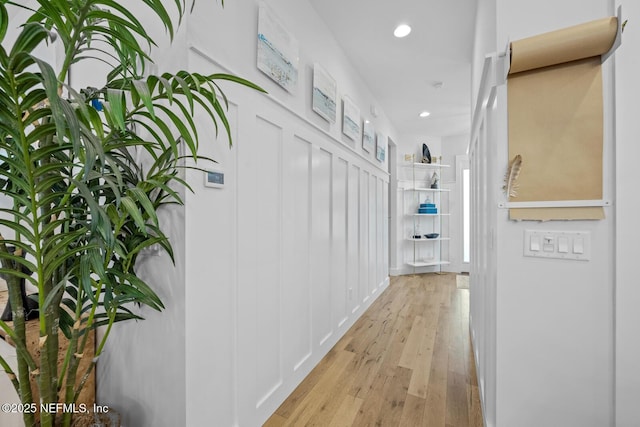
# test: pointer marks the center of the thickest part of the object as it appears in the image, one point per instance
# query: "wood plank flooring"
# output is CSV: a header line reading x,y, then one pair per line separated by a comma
x,y
406,362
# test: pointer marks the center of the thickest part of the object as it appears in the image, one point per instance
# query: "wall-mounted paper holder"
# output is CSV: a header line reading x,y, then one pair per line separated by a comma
x,y
618,40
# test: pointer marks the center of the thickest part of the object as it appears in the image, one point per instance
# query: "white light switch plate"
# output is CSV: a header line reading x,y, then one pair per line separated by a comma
x,y
573,245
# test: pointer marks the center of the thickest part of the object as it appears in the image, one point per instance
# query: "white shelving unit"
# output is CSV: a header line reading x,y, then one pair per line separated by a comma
x,y
423,251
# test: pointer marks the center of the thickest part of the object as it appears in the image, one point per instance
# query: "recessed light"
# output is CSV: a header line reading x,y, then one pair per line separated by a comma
x,y
425,114
402,30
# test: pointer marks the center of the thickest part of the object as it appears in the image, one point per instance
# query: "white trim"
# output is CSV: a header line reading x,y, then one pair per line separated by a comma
x,y
372,162
556,204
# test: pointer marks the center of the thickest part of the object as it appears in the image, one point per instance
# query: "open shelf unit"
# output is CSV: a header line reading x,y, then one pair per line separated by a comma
x,y
423,251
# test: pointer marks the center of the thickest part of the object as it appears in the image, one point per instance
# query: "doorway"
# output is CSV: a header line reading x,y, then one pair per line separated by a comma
x,y
392,202
463,176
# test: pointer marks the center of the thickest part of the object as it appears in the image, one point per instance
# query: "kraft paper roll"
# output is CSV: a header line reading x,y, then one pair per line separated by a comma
x,y
569,44
556,114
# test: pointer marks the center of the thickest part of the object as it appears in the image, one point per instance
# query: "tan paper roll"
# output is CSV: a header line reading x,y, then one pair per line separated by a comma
x,y
556,118
569,44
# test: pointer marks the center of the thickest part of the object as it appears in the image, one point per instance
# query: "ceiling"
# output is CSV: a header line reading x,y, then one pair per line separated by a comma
x,y
403,73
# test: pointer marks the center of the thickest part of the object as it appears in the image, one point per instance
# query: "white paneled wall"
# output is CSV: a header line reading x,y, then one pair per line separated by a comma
x,y
311,230
543,330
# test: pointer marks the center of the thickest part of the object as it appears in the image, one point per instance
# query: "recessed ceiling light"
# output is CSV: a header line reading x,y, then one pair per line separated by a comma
x,y
425,114
402,30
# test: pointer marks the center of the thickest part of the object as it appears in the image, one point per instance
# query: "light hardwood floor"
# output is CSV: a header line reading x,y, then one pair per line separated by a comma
x,y
406,362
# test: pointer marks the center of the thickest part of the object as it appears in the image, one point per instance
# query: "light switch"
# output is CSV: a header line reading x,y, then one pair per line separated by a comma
x,y
563,245
535,243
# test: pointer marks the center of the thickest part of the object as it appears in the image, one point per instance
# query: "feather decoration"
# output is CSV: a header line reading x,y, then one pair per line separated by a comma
x,y
510,186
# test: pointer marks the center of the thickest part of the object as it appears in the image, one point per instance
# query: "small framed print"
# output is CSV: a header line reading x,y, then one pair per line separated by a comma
x,y
214,178
324,94
381,147
350,119
368,137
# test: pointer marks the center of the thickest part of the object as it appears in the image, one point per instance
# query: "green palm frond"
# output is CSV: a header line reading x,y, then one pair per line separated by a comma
x,y
84,210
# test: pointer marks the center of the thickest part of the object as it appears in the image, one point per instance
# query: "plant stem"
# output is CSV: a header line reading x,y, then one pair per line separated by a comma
x,y
20,331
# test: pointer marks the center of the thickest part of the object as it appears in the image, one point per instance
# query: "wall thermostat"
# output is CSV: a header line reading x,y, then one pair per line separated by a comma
x,y
214,178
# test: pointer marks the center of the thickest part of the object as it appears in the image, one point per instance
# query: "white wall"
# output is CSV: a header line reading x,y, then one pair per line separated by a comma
x,y
271,270
453,147
484,43
282,261
543,329
142,371
627,231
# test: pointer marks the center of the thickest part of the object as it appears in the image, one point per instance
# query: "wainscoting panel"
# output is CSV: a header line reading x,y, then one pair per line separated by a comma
x,y
381,226
321,245
297,231
372,228
267,216
308,259
385,230
353,239
339,242
365,241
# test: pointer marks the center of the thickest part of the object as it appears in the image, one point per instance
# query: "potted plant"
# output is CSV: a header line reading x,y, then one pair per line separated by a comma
x,y
82,208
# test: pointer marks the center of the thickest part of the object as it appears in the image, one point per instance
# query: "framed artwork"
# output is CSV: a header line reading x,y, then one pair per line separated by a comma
x,y
350,119
368,137
381,147
324,94
278,51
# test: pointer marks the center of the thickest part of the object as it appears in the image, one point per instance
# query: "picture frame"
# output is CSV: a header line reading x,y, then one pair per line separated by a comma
x,y
324,96
278,50
350,119
381,147
368,137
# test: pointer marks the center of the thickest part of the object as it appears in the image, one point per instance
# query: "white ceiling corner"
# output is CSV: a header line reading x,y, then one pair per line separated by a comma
x,y
401,73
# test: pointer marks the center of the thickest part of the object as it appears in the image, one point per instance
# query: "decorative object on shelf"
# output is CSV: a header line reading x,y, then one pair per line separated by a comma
x,y
278,52
324,96
368,137
426,154
510,186
350,119
381,147
432,235
435,180
428,208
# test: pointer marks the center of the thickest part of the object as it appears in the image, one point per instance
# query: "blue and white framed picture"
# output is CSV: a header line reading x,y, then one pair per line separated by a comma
x,y
350,119
368,137
278,51
324,93
381,147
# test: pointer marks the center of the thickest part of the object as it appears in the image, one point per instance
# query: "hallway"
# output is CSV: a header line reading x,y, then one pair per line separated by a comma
x,y
406,362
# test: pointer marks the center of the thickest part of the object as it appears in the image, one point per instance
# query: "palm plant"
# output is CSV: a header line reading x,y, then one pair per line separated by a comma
x,y
82,208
